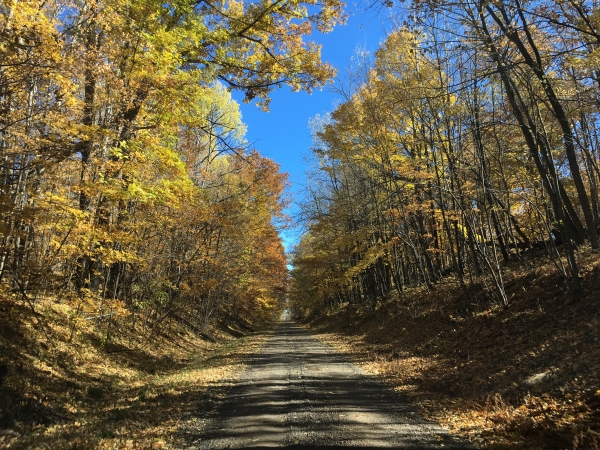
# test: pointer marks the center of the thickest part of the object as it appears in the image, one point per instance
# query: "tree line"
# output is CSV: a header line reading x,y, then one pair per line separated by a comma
x,y
127,190
466,144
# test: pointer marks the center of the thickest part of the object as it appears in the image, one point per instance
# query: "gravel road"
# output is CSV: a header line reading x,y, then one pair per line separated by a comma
x,y
299,393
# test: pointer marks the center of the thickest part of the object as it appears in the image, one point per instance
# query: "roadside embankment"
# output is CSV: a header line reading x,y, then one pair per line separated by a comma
x,y
68,388
526,376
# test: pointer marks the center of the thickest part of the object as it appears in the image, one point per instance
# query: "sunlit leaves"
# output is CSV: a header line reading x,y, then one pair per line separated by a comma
x,y
124,159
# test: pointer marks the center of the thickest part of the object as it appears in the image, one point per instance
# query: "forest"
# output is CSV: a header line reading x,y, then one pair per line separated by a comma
x,y
127,187
131,206
452,217
453,192
467,142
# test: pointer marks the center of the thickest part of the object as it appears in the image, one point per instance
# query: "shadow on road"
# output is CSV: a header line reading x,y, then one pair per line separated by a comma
x,y
300,394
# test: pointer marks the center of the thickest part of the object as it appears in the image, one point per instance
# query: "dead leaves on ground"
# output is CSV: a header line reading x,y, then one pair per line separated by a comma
x,y
78,395
525,377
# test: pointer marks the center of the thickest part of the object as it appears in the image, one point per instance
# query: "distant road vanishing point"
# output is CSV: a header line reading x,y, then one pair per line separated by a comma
x,y
298,393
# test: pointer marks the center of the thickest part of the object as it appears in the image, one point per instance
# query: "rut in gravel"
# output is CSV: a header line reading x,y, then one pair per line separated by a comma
x,y
299,393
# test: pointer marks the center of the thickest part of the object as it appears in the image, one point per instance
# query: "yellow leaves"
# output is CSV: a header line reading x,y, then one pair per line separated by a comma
x,y
370,256
235,7
127,142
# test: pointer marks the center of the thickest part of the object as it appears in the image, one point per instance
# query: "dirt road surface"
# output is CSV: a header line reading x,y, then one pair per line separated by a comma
x,y
299,393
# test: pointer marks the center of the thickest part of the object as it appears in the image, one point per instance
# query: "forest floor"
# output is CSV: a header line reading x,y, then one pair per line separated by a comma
x,y
526,376
522,377
73,389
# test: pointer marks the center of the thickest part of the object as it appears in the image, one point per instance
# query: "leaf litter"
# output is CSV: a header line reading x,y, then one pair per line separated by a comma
x,y
522,377
82,393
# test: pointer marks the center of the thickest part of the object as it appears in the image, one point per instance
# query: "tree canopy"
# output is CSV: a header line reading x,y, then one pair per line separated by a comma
x,y
127,188
465,144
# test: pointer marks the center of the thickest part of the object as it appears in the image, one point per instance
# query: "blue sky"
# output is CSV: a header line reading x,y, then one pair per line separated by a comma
x,y
282,134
